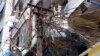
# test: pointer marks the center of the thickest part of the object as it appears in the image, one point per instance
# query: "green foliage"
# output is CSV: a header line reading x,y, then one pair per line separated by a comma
x,y
28,42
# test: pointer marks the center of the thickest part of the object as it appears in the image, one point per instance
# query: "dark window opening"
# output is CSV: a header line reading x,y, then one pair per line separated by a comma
x,y
17,43
0,37
88,0
86,54
99,27
98,23
82,48
20,6
19,14
65,2
2,13
83,7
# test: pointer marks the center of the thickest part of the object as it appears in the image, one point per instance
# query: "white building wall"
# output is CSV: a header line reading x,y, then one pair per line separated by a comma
x,y
7,24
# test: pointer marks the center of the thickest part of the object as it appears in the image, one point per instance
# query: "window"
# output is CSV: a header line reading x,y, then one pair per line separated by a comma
x,y
17,42
19,8
83,7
